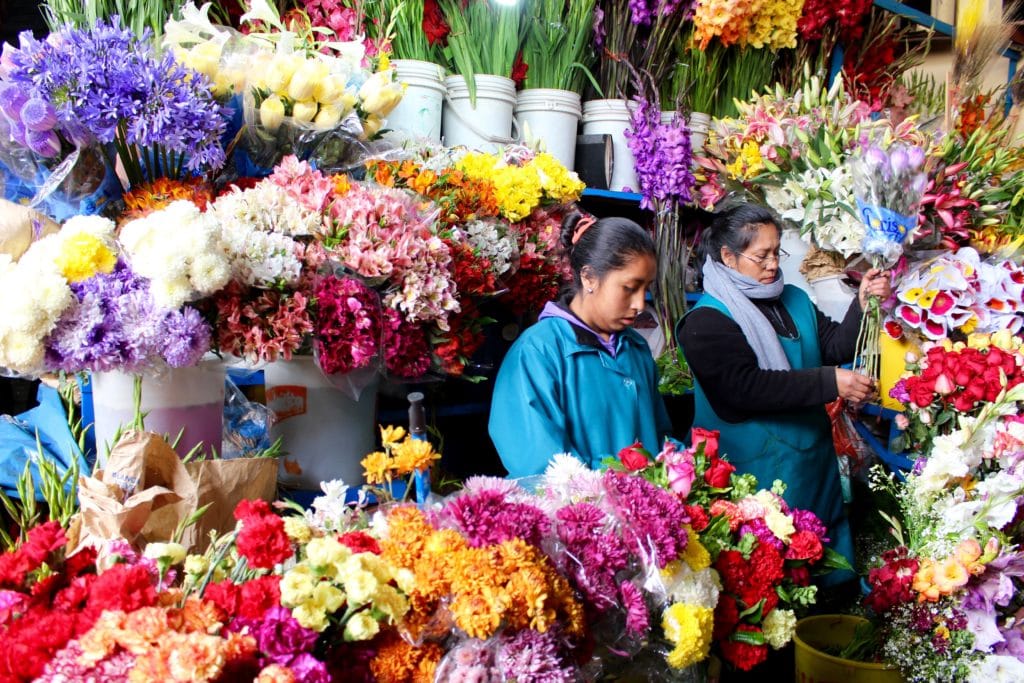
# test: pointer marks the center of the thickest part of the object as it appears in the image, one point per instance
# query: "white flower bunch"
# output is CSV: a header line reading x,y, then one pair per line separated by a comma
x,y
266,208
685,585
179,248
492,243
27,317
819,202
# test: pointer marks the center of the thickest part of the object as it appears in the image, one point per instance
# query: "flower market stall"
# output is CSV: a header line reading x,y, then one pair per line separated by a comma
x,y
239,241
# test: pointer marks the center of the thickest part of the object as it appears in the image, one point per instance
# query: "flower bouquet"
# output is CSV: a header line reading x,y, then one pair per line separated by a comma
x,y
888,184
952,381
60,89
762,551
418,29
946,599
958,293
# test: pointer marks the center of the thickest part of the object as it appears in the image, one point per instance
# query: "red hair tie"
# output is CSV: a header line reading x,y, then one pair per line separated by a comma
x,y
581,227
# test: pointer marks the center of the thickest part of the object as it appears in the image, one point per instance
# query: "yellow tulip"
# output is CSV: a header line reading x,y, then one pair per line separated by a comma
x,y
328,117
379,94
279,73
272,113
303,82
329,89
205,58
372,125
304,111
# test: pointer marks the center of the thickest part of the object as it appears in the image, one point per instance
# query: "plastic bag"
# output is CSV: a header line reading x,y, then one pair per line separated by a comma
x,y
246,424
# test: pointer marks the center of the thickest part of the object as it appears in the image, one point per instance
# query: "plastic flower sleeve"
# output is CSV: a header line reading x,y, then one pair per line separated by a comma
x,y
888,184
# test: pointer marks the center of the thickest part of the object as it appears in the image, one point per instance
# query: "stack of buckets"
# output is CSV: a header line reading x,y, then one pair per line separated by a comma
x,y
437,108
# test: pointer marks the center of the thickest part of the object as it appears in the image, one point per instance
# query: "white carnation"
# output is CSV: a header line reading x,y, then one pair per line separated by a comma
x,y
997,669
209,272
694,588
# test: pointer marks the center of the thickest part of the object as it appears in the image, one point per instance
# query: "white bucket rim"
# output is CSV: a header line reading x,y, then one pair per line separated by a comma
x,y
406,69
549,100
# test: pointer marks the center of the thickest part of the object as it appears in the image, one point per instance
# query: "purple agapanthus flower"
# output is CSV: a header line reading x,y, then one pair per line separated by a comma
x,y
115,325
488,516
531,656
662,154
108,82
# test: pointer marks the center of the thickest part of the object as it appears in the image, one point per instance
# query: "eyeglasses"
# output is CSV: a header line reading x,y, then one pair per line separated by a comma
x,y
763,261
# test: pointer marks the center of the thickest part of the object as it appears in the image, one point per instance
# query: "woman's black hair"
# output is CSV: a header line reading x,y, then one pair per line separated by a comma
x,y
733,228
605,246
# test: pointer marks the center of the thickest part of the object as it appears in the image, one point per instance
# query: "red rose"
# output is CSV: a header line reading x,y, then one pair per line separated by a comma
x,y
922,394
634,457
360,542
804,545
434,25
718,473
742,653
708,437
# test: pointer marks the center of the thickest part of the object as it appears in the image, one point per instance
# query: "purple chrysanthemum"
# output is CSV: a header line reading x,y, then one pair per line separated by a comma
x,y
663,155
657,518
188,337
488,517
531,656
638,619
593,554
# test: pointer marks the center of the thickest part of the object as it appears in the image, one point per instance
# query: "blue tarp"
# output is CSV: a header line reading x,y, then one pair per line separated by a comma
x,y
18,441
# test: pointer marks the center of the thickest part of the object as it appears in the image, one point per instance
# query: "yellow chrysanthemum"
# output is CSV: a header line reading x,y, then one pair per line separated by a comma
x,y
376,467
695,554
391,435
688,628
83,255
558,183
412,455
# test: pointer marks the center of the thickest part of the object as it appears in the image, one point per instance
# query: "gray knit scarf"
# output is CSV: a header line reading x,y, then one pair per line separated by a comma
x,y
735,290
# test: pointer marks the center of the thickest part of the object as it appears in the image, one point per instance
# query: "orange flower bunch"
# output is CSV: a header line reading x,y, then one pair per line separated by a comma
x,y
144,199
510,584
169,644
397,661
459,197
936,578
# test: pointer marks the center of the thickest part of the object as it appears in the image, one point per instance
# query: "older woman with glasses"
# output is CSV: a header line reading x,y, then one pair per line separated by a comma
x,y
765,362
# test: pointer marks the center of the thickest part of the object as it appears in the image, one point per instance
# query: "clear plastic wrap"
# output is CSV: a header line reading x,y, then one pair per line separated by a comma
x,y
246,424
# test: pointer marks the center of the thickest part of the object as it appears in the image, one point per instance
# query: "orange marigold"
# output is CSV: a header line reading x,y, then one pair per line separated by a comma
x,y
144,199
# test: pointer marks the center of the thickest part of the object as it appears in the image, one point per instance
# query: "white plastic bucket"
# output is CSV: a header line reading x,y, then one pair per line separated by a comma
x,y
611,117
191,398
551,116
667,117
488,124
324,430
419,113
699,124
833,296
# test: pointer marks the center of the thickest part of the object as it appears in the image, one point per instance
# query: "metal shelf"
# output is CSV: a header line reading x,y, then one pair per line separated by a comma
x,y
630,197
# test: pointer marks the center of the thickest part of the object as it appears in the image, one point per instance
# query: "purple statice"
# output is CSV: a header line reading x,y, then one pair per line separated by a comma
x,y
759,528
531,656
488,517
662,154
638,619
653,519
187,337
115,325
111,84
592,554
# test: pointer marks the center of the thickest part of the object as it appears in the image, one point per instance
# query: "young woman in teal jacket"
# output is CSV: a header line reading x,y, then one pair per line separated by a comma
x,y
581,380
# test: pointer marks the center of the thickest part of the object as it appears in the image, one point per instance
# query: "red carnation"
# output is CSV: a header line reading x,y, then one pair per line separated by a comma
x,y
799,574
698,517
727,616
360,542
122,587
743,655
263,542
259,595
252,508
766,565
434,25
225,595
804,545
634,457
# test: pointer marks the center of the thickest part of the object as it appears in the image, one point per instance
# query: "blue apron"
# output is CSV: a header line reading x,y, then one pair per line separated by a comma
x,y
795,447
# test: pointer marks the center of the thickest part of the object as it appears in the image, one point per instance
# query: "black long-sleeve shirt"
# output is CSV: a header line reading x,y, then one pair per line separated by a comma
x,y
726,367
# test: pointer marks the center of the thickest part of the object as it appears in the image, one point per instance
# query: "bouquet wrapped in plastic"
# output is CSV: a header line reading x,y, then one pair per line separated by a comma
x,y
888,185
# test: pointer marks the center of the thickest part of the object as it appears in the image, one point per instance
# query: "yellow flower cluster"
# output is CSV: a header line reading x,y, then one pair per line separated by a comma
x,y
1003,340
402,455
748,163
521,189
688,628
695,554
755,23
83,255
331,576
511,583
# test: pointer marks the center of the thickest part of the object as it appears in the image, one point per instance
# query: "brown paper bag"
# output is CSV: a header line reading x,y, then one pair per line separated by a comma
x,y
19,226
139,496
226,483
